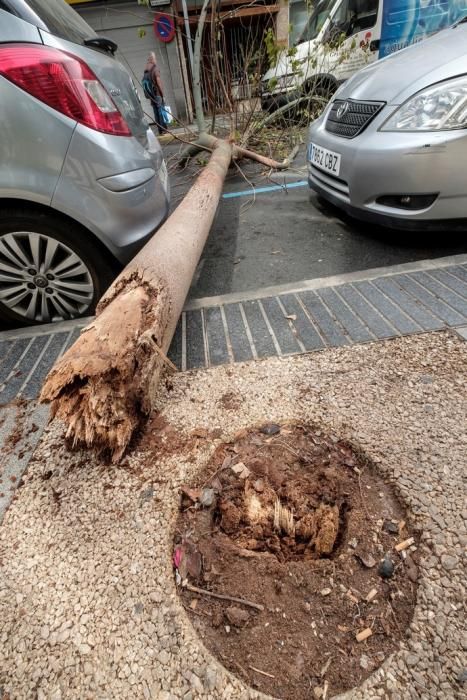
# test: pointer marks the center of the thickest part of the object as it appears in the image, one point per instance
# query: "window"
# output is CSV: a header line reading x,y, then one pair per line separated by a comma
x,y
355,16
317,18
53,15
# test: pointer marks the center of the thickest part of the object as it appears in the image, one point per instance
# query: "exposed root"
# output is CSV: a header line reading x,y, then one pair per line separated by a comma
x,y
283,519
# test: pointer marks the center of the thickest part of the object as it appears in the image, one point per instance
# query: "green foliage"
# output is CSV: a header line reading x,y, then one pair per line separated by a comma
x,y
272,83
141,32
272,47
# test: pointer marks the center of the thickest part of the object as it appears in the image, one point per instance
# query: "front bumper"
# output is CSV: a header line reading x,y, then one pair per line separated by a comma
x,y
378,164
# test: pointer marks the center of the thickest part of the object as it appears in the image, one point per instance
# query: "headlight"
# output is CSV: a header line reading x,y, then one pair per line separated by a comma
x,y
438,108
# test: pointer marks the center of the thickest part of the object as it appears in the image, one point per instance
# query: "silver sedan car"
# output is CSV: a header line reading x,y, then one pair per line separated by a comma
x,y
391,147
83,183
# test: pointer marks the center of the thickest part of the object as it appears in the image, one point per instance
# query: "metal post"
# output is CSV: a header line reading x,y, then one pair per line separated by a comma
x,y
188,34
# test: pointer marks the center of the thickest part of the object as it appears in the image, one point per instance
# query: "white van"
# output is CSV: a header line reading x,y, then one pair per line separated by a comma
x,y
342,36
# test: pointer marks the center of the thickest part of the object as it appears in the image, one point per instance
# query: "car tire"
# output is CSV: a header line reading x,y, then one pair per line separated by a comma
x,y
50,269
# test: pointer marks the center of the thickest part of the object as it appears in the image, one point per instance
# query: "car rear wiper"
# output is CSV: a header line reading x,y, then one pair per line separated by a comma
x,y
101,42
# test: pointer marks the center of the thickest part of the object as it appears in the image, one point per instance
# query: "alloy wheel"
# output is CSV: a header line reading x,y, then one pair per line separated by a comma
x,y
42,279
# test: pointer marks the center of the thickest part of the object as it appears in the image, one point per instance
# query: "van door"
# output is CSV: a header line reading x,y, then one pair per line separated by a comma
x,y
353,35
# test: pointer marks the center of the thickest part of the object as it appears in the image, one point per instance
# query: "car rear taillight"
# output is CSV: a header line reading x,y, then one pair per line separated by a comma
x,y
65,83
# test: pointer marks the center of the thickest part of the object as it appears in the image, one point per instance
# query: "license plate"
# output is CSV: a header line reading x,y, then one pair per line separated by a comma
x,y
325,160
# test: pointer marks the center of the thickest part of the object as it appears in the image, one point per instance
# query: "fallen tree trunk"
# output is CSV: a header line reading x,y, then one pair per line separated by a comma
x,y
104,386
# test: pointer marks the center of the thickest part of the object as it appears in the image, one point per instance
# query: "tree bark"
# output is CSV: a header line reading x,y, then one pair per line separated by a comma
x,y
104,386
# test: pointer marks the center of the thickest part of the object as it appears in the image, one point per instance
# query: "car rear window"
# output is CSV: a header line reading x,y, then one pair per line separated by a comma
x,y
53,15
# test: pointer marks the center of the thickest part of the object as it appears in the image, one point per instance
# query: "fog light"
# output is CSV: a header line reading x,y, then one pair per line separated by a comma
x,y
412,202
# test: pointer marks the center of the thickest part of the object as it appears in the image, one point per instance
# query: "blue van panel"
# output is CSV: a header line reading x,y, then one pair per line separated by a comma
x,y
407,21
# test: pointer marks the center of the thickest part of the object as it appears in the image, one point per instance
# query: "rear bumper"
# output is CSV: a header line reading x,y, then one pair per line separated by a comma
x,y
116,188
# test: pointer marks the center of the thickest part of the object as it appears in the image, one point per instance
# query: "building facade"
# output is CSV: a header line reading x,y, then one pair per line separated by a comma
x,y
234,34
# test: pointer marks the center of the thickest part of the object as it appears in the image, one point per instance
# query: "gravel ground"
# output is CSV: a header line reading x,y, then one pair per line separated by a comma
x,y
88,607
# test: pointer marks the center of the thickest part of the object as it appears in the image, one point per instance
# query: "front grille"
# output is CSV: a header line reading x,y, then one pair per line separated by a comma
x,y
348,118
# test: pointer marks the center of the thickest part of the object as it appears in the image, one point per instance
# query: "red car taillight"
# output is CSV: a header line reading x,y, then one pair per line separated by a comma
x,y
65,83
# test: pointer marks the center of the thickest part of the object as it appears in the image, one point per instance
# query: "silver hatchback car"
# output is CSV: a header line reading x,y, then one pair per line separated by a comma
x,y
83,183
391,147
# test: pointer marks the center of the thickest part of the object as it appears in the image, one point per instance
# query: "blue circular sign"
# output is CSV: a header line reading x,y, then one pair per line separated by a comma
x,y
164,27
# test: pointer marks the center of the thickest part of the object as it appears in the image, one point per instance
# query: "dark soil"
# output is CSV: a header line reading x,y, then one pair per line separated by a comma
x,y
297,523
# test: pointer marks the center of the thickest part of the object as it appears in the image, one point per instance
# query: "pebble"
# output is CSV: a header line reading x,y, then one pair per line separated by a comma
x,y
365,662
412,659
449,562
386,568
270,429
390,527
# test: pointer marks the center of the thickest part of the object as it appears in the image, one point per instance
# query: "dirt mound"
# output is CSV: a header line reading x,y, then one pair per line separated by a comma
x,y
285,559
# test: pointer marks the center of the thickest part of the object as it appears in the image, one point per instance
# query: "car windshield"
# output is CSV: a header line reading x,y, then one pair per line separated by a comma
x,y
317,19
61,20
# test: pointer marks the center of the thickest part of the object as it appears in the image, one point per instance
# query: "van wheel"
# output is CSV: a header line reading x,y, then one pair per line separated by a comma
x,y
49,270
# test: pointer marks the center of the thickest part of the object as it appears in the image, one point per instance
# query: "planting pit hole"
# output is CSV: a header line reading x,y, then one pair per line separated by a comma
x,y
286,562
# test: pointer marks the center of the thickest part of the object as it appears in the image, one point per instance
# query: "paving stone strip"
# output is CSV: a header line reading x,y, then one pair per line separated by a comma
x,y
383,306
88,602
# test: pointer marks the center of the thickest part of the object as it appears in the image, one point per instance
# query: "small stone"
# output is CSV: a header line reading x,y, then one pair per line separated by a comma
x,y
353,543
147,494
270,429
207,498
449,562
258,485
462,676
84,649
326,591
237,616
63,635
210,678
45,632
318,692
386,568
390,527
365,662
163,657
88,668
412,659
411,568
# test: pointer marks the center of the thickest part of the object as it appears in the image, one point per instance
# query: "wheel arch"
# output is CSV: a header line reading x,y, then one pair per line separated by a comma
x,y
324,81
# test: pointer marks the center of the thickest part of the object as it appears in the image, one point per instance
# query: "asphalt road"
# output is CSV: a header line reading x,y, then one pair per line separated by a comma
x,y
283,236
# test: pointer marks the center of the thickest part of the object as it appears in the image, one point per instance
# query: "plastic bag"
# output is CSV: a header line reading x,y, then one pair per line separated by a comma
x,y
166,114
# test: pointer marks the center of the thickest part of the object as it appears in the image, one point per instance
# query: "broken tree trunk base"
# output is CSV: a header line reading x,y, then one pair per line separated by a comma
x,y
104,386
99,388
